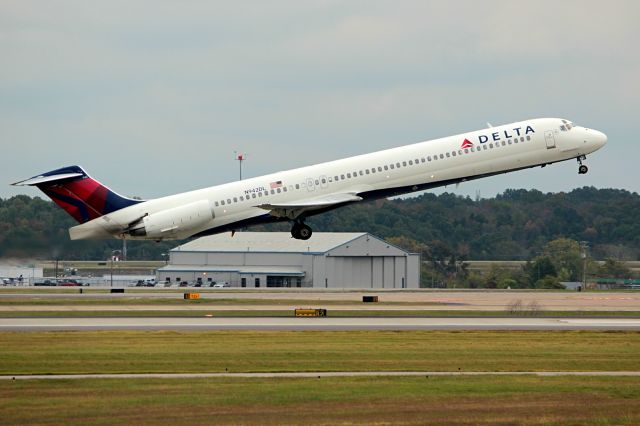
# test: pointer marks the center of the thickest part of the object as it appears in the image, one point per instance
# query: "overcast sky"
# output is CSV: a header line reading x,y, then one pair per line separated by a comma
x,y
154,97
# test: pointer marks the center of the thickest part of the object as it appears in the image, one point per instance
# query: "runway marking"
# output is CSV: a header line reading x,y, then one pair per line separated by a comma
x,y
319,374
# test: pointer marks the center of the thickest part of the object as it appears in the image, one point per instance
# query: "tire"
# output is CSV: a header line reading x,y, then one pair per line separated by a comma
x,y
582,169
304,232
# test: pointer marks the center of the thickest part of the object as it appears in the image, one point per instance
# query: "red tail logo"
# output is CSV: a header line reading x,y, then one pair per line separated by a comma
x,y
466,144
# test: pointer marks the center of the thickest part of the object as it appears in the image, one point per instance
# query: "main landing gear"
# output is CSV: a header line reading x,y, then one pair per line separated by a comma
x,y
300,231
582,169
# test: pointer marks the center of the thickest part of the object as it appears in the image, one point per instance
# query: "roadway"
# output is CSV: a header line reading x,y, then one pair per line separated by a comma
x,y
293,323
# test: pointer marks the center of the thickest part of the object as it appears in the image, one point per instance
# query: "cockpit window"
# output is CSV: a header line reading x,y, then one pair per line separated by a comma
x,y
566,126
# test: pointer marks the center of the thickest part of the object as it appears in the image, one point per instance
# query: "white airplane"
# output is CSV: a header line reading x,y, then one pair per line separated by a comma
x,y
296,194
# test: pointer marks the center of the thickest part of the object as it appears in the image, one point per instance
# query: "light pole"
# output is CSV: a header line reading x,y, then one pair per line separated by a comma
x,y
584,245
113,256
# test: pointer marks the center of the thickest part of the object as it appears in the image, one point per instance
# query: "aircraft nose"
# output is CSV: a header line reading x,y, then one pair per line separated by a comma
x,y
599,138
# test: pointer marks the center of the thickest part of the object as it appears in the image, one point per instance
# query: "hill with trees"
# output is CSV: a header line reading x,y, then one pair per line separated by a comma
x,y
516,225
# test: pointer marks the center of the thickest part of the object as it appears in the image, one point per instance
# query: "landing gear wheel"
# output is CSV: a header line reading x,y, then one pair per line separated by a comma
x,y
582,169
300,231
305,232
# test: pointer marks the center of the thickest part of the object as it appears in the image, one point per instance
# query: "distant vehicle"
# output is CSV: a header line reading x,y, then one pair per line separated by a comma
x,y
69,283
146,283
220,285
183,284
297,194
46,283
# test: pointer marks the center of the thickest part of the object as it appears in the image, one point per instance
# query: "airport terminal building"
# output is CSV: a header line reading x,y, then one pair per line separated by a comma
x,y
274,259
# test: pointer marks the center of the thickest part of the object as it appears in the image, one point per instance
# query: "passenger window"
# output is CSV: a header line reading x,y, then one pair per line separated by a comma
x,y
259,194
235,199
229,201
404,164
398,165
429,158
367,171
273,191
297,186
491,145
391,166
503,143
324,180
342,177
416,161
386,167
509,141
317,182
284,188
423,159
217,204
453,153
253,195
373,170
521,139
466,151
278,190
348,175
241,198
441,157
222,202
528,137
448,155
380,169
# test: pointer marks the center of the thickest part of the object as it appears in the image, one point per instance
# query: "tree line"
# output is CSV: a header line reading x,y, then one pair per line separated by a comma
x,y
515,225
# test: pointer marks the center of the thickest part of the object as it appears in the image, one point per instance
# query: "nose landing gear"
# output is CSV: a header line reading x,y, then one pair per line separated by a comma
x,y
582,169
300,231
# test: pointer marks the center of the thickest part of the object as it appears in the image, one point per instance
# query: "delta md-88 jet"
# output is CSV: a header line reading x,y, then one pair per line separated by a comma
x,y
296,194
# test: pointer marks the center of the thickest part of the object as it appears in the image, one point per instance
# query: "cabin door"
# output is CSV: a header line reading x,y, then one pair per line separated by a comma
x,y
549,139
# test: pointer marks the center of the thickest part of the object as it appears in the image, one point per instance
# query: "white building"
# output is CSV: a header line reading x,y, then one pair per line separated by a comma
x,y
274,259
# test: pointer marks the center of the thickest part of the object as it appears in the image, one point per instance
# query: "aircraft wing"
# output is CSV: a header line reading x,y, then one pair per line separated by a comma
x,y
295,208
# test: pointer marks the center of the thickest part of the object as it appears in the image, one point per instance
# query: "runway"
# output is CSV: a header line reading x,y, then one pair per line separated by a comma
x,y
292,323
480,300
319,374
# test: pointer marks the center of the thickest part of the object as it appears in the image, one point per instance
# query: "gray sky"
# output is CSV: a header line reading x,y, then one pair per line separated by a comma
x,y
154,97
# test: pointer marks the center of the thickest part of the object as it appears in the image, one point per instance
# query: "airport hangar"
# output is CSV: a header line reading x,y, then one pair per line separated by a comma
x,y
274,259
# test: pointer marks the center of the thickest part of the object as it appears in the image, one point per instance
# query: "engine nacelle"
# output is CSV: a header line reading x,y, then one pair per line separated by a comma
x,y
172,223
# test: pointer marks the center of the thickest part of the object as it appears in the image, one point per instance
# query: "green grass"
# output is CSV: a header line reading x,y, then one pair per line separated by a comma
x,y
274,351
486,400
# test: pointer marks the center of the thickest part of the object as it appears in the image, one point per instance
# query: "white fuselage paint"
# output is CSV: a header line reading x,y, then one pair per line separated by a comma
x,y
545,143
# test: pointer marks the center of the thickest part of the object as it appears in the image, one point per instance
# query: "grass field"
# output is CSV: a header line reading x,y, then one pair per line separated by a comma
x,y
280,351
485,400
489,400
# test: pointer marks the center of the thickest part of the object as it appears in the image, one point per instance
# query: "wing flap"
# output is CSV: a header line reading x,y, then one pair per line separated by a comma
x,y
295,208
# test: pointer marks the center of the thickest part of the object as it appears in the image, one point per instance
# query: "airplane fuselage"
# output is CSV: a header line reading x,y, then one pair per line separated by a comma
x,y
296,194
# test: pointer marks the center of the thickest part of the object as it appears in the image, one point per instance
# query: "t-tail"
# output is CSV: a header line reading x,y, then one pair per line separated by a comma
x,y
78,194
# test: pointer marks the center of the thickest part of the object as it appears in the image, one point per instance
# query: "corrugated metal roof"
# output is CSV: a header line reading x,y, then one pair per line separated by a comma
x,y
282,242
273,270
